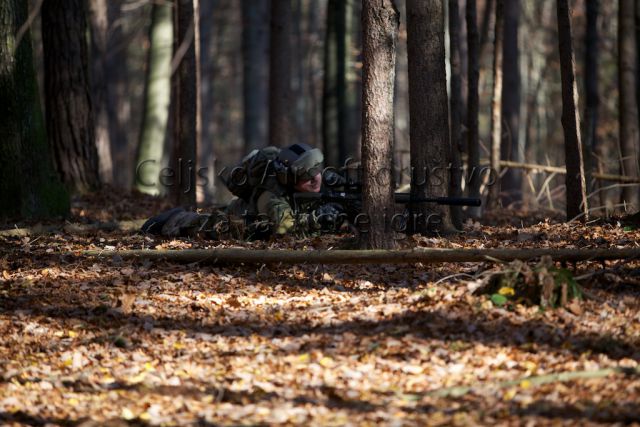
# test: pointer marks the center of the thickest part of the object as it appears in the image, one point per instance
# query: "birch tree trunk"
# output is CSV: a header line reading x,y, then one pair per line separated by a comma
x,y
496,113
156,100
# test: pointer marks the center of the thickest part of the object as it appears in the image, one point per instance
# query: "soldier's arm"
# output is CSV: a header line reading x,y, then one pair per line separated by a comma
x,y
282,217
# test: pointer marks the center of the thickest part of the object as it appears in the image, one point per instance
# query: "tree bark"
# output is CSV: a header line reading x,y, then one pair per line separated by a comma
x,y
380,26
280,120
118,88
576,186
156,100
496,100
485,27
184,100
629,133
511,186
473,102
338,100
255,48
330,101
428,114
592,54
425,256
99,37
457,147
29,186
69,112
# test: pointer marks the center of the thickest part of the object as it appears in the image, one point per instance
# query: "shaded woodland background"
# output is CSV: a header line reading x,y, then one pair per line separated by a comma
x,y
323,85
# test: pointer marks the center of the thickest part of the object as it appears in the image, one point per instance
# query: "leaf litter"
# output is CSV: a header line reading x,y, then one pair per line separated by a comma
x,y
125,342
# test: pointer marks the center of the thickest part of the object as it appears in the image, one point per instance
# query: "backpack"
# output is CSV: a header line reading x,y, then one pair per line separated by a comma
x,y
253,171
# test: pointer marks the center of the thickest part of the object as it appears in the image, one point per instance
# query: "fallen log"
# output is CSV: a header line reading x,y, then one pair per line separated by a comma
x,y
73,228
425,256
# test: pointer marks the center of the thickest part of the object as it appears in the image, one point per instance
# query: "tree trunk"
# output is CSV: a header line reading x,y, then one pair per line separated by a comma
x,y
330,106
428,114
473,102
210,30
591,145
184,98
380,26
156,100
28,184
576,187
629,136
280,120
485,28
99,36
69,113
511,187
496,100
118,88
338,98
255,48
457,147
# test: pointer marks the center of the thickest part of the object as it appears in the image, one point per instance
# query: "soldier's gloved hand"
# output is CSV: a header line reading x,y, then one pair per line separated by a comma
x,y
329,217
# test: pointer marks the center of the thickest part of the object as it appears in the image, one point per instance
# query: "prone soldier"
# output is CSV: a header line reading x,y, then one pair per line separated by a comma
x,y
264,185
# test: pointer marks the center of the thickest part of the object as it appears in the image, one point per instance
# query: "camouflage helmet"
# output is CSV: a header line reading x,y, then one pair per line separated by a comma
x,y
302,162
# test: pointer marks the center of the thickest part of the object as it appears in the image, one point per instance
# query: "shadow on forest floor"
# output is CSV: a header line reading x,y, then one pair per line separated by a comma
x,y
465,324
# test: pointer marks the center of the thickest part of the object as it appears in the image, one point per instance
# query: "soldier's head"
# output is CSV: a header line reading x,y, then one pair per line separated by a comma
x,y
302,167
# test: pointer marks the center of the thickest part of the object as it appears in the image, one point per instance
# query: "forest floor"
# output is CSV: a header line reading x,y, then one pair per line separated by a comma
x,y
86,341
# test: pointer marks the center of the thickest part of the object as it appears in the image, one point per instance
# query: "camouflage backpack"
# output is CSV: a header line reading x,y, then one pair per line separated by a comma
x,y
255,169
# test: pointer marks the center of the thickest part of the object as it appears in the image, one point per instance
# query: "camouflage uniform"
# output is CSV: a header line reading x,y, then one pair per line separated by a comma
x,y
270,210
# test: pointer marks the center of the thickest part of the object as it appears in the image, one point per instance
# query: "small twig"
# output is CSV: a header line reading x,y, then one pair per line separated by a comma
x,y
27,24
451,276
531,381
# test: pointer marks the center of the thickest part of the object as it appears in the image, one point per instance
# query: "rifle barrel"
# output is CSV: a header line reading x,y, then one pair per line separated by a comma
x,y
404,198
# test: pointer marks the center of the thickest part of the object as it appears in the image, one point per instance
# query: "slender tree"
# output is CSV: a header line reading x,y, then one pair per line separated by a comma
x,y
156,100
591,91
511,186
118,86
473,101
28,184
457,146
428,113
280,120
184,99
576,187
69,113
629,133
255,47
496,100
99,36
485,27
338,98
380,26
